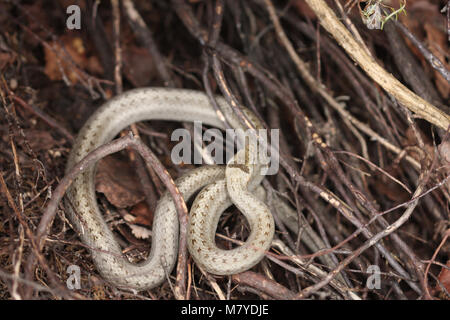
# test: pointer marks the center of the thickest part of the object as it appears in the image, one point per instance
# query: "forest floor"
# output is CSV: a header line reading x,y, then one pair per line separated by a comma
x,y
365,172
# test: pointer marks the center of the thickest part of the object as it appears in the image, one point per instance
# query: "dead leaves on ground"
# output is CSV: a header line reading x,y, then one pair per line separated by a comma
x,y
63,56
118,181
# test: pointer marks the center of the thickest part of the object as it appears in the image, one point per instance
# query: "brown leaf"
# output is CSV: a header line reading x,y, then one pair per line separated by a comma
x,y
117,180
444,278
138,65
40,140
57,59
6,58
142,213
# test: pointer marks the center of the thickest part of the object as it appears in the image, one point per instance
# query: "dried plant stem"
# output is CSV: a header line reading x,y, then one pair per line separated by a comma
x,y
319,88
315,85
145,36
263,284
387,81
117,49
369,243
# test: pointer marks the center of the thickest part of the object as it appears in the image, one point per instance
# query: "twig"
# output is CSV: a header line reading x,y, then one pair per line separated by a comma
x,y
38,287
45,117
427,54
186,15
409,67
328,196
117,47
314,85
427,269
410,100
264,284
371,164
369,243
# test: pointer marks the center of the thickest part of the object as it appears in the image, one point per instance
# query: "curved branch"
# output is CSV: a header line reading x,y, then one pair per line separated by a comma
x,y
387,81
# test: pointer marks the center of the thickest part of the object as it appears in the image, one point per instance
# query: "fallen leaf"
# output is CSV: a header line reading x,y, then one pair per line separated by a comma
x,y
58,59
98,292
129,236
118,181
142,214
138,65
444,278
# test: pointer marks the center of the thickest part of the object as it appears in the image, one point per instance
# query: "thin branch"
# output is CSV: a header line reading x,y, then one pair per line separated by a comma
x,y
386,80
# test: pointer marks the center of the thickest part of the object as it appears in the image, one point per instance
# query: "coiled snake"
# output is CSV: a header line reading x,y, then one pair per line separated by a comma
x,y
220,187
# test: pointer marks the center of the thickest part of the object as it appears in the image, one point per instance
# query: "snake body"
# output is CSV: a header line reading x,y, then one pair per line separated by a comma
x,y
221,187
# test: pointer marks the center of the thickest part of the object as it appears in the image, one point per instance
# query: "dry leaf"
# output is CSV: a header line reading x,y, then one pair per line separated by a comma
x,y
98,292
142,214
138,65
374,18
119,182
58,59
444,278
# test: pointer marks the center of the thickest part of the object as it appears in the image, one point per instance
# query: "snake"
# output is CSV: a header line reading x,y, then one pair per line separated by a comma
x,y
216,188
